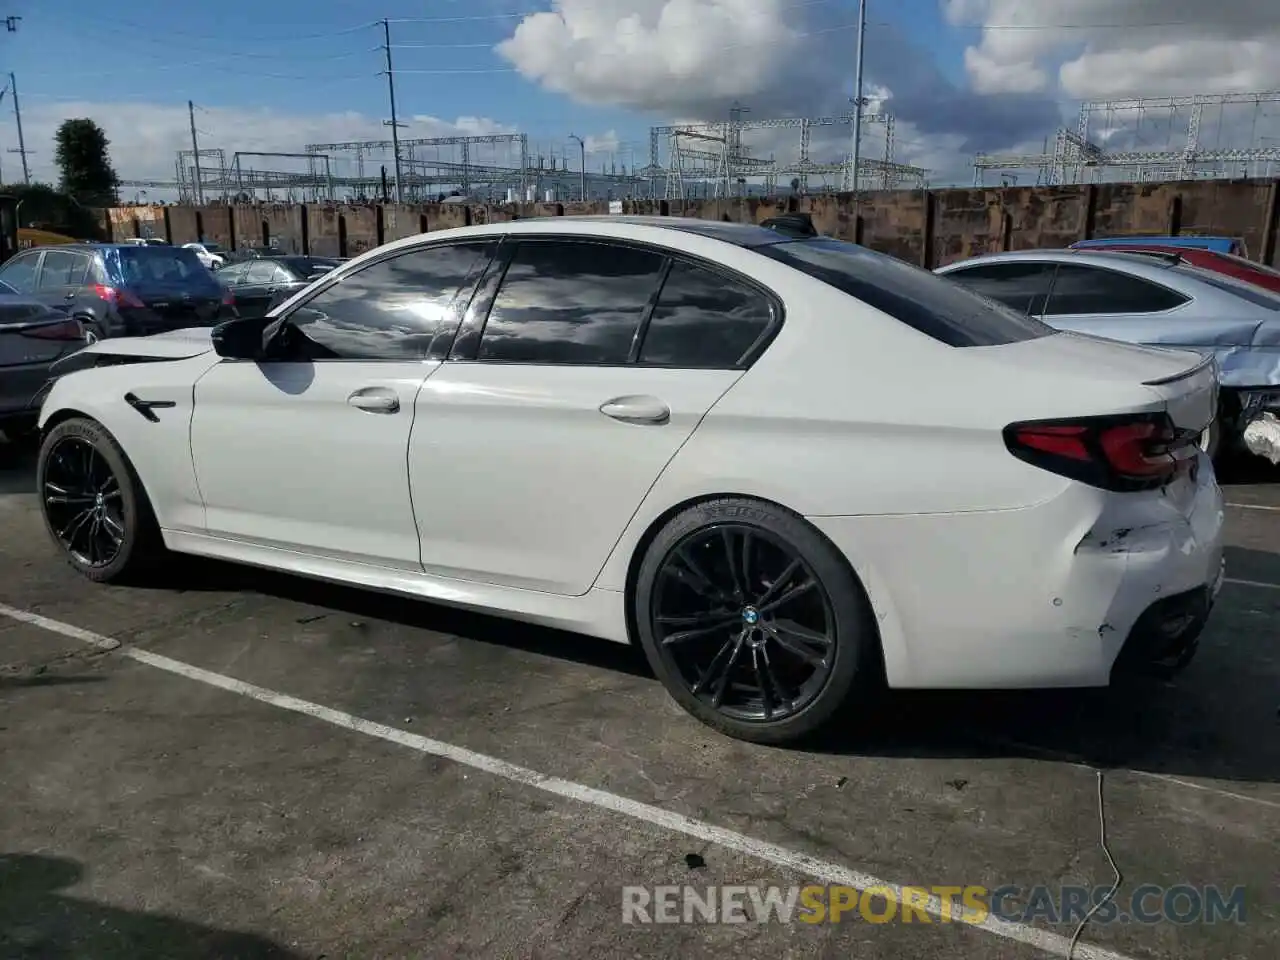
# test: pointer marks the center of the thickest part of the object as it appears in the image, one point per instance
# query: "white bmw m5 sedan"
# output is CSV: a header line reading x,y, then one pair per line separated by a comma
x,y
786,468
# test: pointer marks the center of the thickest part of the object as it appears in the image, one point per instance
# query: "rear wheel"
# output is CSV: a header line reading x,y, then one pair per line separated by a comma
x,y
752,620
93,504
92,332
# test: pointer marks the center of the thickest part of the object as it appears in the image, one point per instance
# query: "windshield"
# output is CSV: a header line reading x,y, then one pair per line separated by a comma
x,y
935,306
212,247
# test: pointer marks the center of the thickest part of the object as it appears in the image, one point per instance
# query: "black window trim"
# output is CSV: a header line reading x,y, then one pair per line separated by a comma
x,y
467,351
467,289
1058,265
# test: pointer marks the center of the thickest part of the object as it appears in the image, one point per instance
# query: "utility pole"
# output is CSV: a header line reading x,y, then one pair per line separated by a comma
x,y
582,178
195,153
857,105
17,115
391,92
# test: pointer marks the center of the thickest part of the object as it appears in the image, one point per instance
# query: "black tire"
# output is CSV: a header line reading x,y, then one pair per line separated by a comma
x,y
665,577
92,331
122,510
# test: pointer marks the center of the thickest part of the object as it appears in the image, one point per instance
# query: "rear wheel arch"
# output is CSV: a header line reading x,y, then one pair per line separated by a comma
x,y
656,526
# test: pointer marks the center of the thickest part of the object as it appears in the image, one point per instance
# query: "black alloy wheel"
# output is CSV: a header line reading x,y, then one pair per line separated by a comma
x,y
745,622
752,620
83,502
92,503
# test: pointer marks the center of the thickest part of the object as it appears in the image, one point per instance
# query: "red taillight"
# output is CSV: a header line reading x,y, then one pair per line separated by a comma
x,y
67,330
1115,453
228,298
121,298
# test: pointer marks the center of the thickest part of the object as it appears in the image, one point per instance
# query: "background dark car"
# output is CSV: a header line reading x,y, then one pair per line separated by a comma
x,y
117,289
32,336
259,284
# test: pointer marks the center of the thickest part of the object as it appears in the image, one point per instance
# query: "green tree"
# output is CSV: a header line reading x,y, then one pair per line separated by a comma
x,y
87,174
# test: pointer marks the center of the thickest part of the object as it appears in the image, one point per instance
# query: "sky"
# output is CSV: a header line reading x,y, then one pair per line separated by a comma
x,y
960,76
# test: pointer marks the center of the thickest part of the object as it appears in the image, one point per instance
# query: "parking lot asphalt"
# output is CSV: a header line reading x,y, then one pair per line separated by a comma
x,y
166,799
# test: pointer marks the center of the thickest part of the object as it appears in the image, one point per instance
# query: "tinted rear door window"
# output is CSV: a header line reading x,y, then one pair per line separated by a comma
x,y
704,319
1019,286
933,305
1079,289
62,268
566,301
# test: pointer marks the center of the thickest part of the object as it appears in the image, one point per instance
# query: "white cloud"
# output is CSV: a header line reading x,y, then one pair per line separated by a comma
x,y
1122,48
656,55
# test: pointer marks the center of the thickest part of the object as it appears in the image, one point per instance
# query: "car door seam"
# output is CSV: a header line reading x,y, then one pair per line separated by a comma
x,y
657,477
408,458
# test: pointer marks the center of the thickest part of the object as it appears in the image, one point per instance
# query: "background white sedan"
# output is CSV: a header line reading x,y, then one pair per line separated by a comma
x,y
786,468
210,254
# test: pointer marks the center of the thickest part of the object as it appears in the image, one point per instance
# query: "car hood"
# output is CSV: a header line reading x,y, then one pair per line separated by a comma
x,y
171,345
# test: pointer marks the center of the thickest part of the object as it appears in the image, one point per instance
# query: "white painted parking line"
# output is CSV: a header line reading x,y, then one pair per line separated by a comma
x,y
1252,583
1253,506
822,870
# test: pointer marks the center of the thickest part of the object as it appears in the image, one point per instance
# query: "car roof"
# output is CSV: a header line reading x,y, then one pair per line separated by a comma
x,y
1098,258
739,234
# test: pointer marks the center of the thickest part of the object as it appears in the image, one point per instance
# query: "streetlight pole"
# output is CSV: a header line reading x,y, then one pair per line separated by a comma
x,y
582,178
857,104
391,92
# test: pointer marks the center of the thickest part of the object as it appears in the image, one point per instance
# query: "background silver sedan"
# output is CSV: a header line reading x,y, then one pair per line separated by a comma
x,y
1152,299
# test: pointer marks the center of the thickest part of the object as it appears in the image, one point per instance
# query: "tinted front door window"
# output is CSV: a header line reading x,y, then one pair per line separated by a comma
x,y
704,319
389,310
570,302
1021,286
1092,290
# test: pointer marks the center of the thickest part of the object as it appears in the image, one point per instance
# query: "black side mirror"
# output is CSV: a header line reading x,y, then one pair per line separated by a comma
x,y
240,339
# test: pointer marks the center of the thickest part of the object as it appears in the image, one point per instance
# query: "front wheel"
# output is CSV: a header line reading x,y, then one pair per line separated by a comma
x,y
93,504
753,621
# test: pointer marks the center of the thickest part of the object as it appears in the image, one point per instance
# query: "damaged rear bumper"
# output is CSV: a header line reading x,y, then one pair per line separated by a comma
x,y
1167,635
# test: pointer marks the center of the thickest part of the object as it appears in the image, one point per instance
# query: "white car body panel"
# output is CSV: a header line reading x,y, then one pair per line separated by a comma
x,y
308,471
527,449
502,487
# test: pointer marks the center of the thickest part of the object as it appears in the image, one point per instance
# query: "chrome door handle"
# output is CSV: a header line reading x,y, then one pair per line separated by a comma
x,y
637,410
375,400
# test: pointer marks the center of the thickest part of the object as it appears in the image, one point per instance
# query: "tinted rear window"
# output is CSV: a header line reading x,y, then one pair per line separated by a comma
x,y
1258,296
145,265
937,307
306,266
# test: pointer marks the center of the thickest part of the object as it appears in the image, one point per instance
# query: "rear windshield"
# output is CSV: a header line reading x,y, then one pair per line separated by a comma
x,y
1256,295
935,306
164,265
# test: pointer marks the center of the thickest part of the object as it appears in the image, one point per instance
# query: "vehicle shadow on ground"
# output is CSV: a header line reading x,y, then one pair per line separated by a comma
x,y
39,920
1217,719
17,469
1244,469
